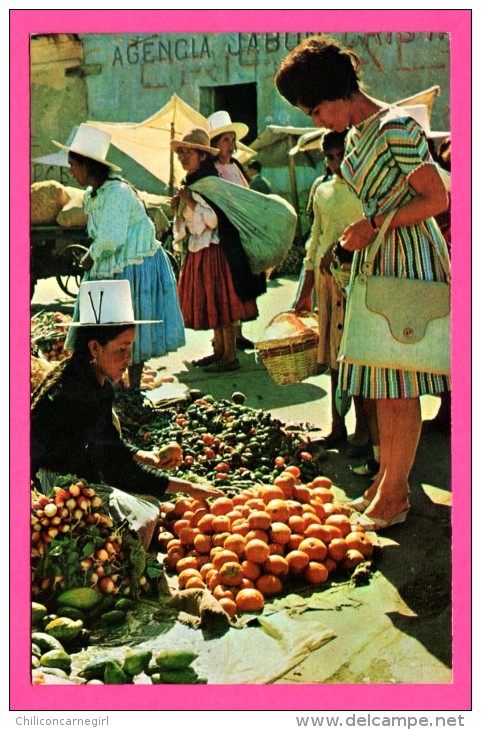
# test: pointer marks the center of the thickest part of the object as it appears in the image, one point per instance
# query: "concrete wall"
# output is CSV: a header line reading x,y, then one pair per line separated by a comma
x,y
128,77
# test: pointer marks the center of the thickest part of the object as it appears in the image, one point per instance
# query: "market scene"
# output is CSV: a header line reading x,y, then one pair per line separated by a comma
x,y
240,439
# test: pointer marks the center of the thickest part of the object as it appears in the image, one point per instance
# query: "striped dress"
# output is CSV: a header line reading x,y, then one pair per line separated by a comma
x,y
381,153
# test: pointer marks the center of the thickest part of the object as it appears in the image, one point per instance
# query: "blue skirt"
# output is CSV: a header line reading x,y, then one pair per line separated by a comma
x,y
154,295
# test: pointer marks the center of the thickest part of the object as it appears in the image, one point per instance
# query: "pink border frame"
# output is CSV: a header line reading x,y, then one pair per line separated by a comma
x,y
455,696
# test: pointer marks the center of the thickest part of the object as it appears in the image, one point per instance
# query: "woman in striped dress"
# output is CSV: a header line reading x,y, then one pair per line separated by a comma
x,y
388,165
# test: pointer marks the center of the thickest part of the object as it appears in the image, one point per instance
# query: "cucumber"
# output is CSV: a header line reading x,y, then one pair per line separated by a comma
x,y
136,660
114,674
83,598
64,629
95,668
175,658
113,618
57,658
36,651
188,675
38,613
45,642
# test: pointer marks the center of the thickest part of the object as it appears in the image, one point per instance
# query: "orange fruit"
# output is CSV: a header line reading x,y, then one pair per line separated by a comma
x,y
294,470
257,535
321,481
361,542
219,538
205,524
332,509
297,524
186,574
276,564
195,582
203,543
340,521
280,533
229,605
330,564
221,591
269,585
179,525
221,506
297,561
323,494
182,505
316,572
223,556
221,523
287,483
187,562
250,569
236,543
197,516
187,535
259,520
231,573
337,549
249,599
268,492
314,548
257,551
295,541
301,493
275,548
204,570
352,559
278,510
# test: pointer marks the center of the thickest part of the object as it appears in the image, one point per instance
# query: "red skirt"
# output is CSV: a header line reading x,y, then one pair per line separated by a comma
x,y
207,296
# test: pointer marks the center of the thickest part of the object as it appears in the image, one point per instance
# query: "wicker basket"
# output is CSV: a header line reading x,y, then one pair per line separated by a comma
x,y
293,358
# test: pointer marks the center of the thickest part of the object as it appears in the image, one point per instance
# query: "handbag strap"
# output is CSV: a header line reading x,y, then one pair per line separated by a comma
x,y
368,264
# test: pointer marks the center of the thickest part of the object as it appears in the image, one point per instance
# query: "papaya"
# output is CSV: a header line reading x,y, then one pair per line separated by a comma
x,y
95,668
175,658
188,675
64,629
45,642
35,661
112,618
36,650
57,658
136,660
83,598
38,613
113,673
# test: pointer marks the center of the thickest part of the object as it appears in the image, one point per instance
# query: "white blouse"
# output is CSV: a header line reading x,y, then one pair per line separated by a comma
x,y
198,226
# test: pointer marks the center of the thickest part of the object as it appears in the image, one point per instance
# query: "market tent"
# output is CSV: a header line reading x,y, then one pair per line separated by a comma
x,y
311,140
148,142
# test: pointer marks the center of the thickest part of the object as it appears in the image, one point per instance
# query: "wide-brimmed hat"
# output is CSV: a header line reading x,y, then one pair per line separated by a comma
x,y
420,113
220,122
196,139
92,143
106,304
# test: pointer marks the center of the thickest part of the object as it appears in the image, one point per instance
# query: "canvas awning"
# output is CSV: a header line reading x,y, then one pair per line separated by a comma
x,y
148,142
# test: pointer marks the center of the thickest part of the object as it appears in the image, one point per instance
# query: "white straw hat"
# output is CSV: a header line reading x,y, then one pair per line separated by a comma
x,y
92,143
220,122
420,113
106,303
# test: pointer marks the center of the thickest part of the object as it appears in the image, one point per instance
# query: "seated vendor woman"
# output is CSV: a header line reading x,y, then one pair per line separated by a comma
x,y
73,427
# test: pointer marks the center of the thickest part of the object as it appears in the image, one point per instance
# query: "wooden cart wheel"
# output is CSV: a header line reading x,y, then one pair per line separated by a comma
x,y
70,258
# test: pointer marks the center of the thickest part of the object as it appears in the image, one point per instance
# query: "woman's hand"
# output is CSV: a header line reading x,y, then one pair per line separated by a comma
x,y
86,262
185,196
358,235
168,457
326,260
199,491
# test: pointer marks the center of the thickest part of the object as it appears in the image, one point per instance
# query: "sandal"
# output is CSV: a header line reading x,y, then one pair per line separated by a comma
x,y
375,525
223,367
360,504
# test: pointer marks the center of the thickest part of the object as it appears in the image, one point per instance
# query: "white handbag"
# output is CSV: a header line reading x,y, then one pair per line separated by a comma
x,y
394,322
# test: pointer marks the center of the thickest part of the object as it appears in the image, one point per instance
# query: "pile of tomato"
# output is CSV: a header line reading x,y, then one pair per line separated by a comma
x,y
259,542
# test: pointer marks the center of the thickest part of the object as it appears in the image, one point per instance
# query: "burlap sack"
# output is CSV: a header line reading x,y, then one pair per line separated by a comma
x,y
73,214
47,199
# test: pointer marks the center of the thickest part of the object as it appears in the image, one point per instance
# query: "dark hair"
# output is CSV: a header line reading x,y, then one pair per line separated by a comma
x,y
206,169
103,335
333,140
96,169
255,165
317,70
217,137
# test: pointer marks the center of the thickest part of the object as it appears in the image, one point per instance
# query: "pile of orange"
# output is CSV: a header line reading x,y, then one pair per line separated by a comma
x,y
247,547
